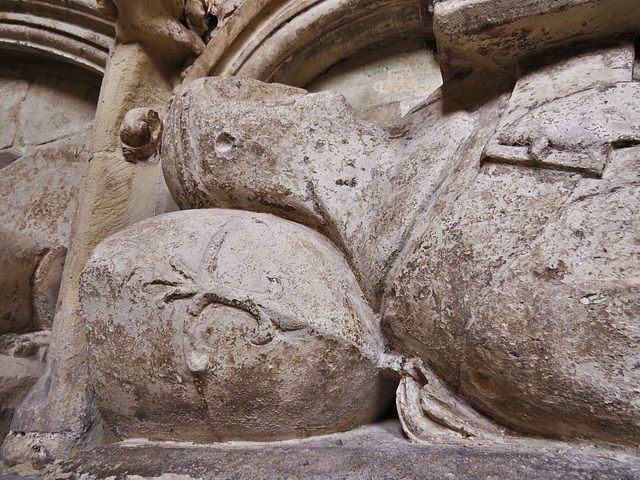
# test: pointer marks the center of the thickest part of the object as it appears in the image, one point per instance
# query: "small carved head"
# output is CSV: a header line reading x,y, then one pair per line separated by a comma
x,y
140,132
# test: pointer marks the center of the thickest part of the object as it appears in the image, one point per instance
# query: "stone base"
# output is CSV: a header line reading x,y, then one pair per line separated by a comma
x,y
373,452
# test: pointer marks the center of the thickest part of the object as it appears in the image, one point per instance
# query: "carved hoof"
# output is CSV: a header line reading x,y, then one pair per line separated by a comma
x,y
222,325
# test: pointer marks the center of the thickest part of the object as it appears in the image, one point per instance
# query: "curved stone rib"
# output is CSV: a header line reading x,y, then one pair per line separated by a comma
x,y
297,41
74,35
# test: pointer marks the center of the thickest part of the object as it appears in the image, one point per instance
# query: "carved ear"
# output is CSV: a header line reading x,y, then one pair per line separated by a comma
x,y
430,412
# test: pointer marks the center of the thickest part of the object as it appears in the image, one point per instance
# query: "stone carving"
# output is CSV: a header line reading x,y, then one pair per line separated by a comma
x,y
158,28
48,110
21,363
140,133
520,290
479,257
430,412
425,306
540,137
32,270
234,326
202,17
75,32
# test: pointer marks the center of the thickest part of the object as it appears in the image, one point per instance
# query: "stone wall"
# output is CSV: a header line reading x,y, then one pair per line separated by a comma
x,y
45,143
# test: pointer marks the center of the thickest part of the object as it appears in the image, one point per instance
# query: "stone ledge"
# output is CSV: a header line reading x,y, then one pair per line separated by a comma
x,y
372,452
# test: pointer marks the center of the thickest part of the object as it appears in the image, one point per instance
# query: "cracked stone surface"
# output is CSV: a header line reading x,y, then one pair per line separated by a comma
x,y
231,327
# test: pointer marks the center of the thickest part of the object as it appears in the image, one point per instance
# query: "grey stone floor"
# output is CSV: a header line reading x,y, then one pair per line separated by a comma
x,y
377,452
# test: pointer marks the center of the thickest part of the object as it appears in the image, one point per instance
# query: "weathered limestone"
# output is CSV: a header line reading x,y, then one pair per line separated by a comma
x,y
499,35
31,275
293,42
534,129
533,271
157,26
140,133
347,177
49,109
233,326
310,157
478,244
58,416
72,31
47,137
229,160
384,84
368,452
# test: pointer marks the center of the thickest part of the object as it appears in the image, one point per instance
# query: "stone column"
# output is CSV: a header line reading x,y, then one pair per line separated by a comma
x,y
58,411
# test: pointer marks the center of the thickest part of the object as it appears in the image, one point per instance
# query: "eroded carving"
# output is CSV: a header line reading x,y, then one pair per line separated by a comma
x,y
434,306
541,137
31,274
22,360
258,316
482,251
158,26
140,133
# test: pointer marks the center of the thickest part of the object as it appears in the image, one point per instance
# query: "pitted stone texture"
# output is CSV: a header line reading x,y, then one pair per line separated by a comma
x,y
218,127
228,325
463,225
522,291
565,73
569,116
373,452
238,143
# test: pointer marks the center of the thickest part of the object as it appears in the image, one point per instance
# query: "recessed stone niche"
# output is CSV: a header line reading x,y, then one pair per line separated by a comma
x,y
385,83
